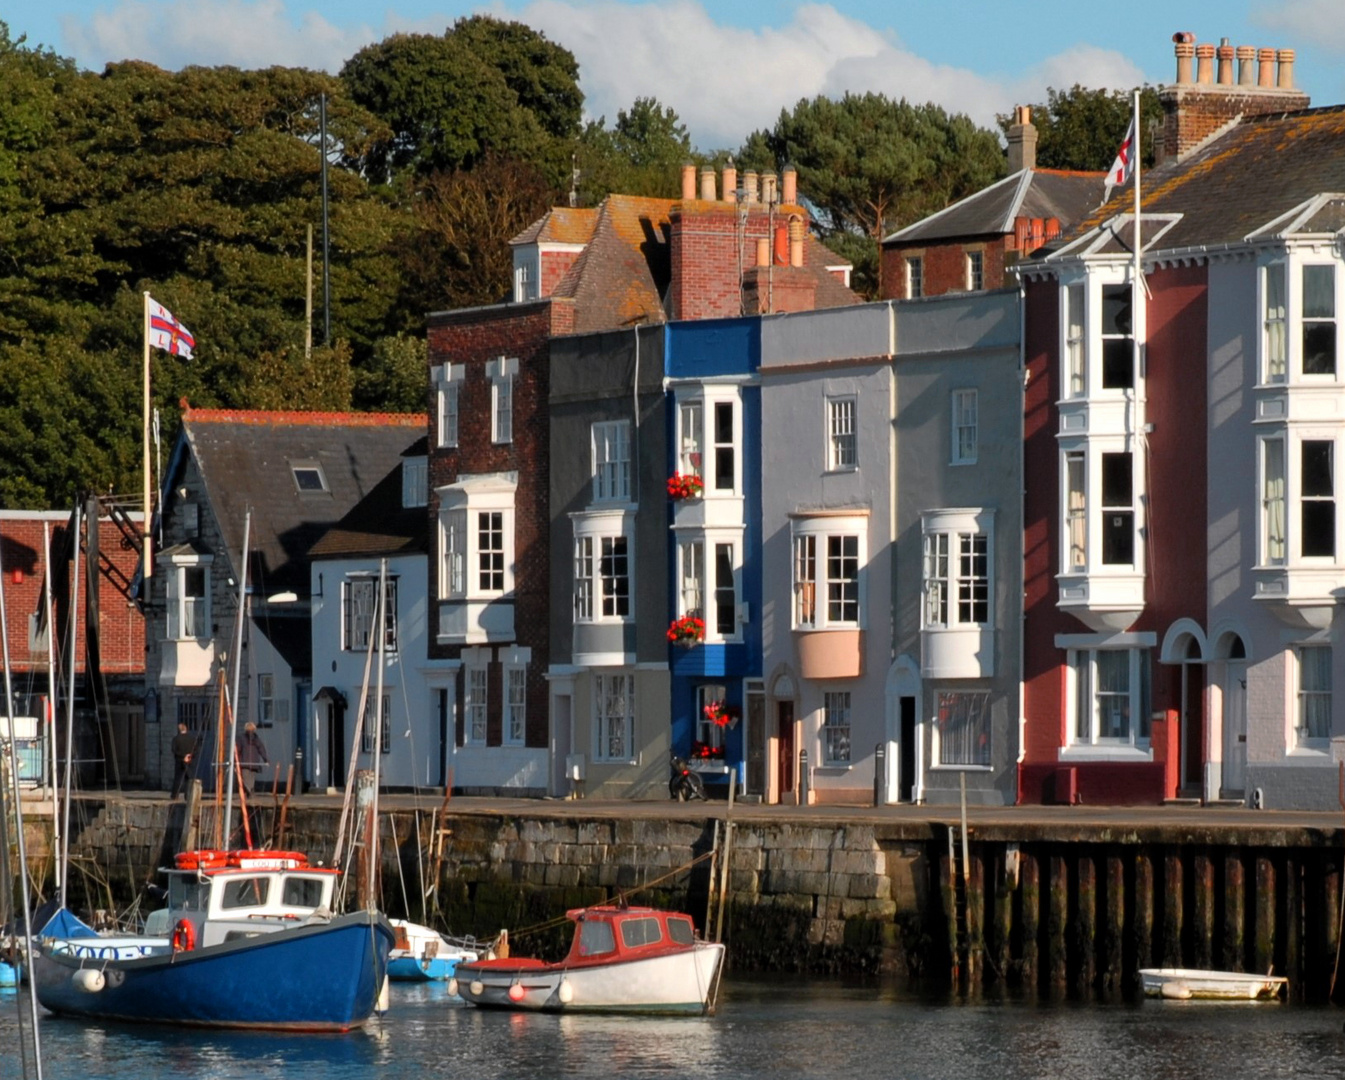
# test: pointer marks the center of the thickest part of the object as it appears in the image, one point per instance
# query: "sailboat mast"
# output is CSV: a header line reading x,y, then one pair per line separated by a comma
x,y
49,712
238,674
70,717
380,628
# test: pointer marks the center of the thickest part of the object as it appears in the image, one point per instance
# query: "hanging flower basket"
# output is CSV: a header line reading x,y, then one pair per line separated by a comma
x,y
685,486
686,631
721,715
705,752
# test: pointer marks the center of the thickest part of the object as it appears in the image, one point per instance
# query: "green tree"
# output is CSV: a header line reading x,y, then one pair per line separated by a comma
x,y
543,75
1081,128
642,154
868,165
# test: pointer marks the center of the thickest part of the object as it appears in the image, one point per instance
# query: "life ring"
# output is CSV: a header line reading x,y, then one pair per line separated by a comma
x,y
184,936
287,860
203,859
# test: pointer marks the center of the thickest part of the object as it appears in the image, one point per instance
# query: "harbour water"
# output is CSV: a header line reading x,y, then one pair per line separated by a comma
x,y
767,1027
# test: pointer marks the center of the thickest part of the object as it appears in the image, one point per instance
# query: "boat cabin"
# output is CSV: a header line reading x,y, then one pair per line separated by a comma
x,y
604,934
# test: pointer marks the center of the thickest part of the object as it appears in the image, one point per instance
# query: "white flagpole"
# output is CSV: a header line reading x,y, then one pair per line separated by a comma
x,y
147,560
1140,327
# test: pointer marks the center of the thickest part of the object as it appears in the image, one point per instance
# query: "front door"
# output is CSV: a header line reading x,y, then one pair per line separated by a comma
x,y
784,730
756,742
1235,730
906,755
336,745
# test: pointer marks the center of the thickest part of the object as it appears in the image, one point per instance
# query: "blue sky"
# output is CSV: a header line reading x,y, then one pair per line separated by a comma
x,y
729,68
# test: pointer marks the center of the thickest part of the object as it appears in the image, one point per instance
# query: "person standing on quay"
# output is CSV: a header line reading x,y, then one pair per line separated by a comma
x,y
184,749
251,756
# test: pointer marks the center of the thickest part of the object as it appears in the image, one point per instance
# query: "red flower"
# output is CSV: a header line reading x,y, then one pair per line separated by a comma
x,y
684,486
686,631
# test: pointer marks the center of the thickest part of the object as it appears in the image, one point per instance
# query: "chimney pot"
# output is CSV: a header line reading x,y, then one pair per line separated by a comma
x,y
688,182
1286,59
795,241
1225,54
750,186
763,251
730,183
1246,65
782,244
768,188
1184,50
707,183
1205,64
790,178
1265,59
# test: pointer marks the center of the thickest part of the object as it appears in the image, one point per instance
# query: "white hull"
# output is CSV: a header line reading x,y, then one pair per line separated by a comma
x,y
1183,983
680,982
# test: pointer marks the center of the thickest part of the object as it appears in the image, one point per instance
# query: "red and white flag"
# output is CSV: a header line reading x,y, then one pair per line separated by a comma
x,y
166,333
1124,166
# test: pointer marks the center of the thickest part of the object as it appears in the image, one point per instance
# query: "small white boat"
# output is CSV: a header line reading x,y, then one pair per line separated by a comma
x,y
422,954
637,960
1182,984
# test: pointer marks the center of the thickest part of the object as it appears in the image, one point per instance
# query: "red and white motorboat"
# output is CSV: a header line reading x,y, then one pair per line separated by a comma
x,y
622,959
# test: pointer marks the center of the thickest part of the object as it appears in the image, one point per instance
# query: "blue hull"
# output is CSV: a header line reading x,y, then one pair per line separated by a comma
x,y
409,969
9,974
323,977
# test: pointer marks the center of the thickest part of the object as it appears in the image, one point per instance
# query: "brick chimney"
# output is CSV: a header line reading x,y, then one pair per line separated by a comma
x,y
1022,140
1194,109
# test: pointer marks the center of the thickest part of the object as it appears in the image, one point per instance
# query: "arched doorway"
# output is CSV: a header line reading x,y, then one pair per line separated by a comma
x,y
1230,679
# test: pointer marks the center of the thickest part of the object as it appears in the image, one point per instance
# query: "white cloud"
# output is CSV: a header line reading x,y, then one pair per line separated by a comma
x,y
723,82
1317,22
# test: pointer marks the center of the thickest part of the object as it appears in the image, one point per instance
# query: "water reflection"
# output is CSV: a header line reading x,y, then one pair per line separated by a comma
x,y
767,1028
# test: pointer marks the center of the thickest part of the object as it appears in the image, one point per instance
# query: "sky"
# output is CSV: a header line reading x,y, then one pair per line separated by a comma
x,y
728,69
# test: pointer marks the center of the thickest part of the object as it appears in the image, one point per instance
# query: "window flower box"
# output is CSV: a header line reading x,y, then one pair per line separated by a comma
x,y
685,486
687,631
705,752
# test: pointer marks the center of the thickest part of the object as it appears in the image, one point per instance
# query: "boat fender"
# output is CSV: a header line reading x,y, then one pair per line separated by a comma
x,y
184,936
477,988
453,987
90,980
565,992
1176,991
384,999
516,992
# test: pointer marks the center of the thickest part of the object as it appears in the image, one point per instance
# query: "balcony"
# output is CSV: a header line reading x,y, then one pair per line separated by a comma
x,y
830,654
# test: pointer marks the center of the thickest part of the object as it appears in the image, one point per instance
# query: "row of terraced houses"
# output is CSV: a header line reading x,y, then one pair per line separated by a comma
x,y
1026,528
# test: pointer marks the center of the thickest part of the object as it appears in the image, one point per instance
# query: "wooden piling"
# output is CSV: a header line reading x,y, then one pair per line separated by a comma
x,y
975,890
1144,910
1173,910
1263,942
1290,920
1202,910
948,889
1235,913
1086,937
1330,917
1057,921
1029,917
1112,957
1001,944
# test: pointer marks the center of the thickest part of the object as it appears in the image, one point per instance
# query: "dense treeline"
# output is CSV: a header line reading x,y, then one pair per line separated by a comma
x,y
201,186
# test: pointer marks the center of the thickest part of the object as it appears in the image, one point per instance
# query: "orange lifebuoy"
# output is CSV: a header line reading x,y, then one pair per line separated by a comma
x,y
246,858
184,936
202,859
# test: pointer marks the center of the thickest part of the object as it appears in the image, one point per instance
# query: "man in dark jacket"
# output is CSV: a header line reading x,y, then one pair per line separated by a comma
x,y
184,750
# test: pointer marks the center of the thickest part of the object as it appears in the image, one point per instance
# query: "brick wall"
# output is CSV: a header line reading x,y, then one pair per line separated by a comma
x,y
945,265
712,246
1192,113
474,338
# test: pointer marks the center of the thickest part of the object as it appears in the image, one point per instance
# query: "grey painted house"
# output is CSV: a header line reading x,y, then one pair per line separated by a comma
x,y
608,668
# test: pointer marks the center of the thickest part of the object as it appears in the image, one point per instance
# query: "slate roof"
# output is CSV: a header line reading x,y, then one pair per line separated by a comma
x,y
379,524
1035,193
245,460
560,225
1246,180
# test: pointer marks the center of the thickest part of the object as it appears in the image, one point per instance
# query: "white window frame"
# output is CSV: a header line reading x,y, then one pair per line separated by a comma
x,y
1074,549
915,277
1274,322
460,553
954,709
707,731
965,431
958,574
526,276
836,730
611,450
1305,320
1104,287
842,437
701,447
1274,539
514,695
449,397
415,482
188,615
975,263
826,592
691,577
367,727
1300,534
503,373
596,591
266,700
613,731
691,437
1314,696
1082,674
359,593
475,704
1075,379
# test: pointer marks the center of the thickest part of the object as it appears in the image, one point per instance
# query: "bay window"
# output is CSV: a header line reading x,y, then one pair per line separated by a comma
x,y
1319,320
1118,353
828,568
602,566
1076,384
1273,515
1275,351
1118,510
1317,499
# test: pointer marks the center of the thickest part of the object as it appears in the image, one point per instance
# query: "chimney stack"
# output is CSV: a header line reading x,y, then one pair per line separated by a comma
x,y
688,182
791,185
707,183
1022,139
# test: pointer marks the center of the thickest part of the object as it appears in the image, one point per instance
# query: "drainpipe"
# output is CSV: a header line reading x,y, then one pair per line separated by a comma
x,y
1022,525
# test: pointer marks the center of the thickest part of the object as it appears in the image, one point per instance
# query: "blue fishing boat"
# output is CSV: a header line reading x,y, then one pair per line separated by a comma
x,y
422,954
253,944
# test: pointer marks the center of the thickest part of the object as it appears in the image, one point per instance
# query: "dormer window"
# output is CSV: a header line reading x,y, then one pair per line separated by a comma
x,y
526,283
308,477
415,476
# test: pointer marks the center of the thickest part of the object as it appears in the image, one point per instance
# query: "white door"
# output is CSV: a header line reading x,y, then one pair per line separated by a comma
x,y
1235,728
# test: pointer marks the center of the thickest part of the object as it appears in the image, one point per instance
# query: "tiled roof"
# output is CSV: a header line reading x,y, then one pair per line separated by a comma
x,y
1241,181
1034,193
560,225
620,279
245,459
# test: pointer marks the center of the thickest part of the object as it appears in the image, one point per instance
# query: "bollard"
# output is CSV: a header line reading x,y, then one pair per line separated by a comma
x,y
879,774
803,777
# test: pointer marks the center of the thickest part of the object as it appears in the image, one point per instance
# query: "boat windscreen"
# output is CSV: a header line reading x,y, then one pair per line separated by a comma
x,y
245,892
187,893
596,938
637,932
303,892
681,931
